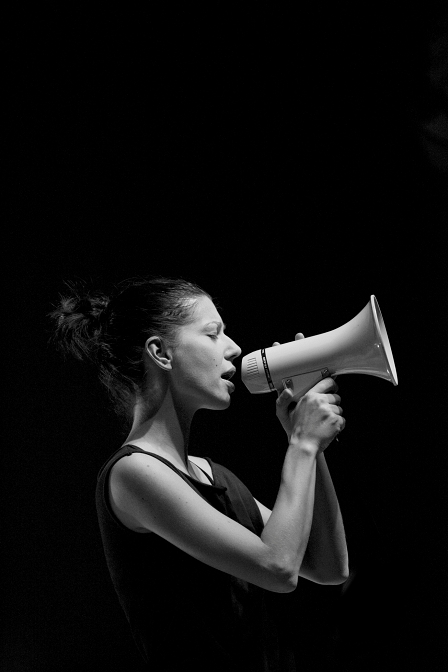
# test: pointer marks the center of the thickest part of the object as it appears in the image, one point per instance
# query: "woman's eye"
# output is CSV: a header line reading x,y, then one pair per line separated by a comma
x,y
214,336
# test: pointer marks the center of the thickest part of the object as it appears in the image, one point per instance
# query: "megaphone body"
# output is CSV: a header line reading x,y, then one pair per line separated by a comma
x,y
359,346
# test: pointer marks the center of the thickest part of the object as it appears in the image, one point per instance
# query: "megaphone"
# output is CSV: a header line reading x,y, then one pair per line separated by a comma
x,y
359,346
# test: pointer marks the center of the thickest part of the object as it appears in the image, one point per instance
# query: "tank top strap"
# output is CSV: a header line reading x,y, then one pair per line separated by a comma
x,y
186,477
204,472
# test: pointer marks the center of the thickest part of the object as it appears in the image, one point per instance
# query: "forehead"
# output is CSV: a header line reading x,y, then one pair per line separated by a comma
x,y
205,311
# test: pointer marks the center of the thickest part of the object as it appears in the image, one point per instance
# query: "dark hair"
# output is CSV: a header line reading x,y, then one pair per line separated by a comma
x,y
110,331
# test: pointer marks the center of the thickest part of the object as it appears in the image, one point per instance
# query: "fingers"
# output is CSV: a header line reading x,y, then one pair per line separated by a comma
x,y
341,423
325,386
284,397
297,337
337,410
340,420
283,401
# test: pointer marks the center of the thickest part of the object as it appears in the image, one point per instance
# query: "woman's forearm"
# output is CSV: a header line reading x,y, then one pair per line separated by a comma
x,y
326,557
305,530
288,529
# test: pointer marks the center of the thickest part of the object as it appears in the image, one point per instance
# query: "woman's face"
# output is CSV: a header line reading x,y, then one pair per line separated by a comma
x,y
202,356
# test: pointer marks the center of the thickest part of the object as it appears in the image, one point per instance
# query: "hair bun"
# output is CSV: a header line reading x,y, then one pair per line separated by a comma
x,y
80,318
92,306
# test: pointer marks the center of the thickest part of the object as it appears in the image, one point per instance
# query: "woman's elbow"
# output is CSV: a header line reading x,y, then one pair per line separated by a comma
x,y
284,585
338,573
282,578
328,574
344,573
286,582
289,584
334,581
334,578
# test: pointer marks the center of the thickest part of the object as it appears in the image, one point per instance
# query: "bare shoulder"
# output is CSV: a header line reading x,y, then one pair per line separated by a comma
x,y
133,478
134,468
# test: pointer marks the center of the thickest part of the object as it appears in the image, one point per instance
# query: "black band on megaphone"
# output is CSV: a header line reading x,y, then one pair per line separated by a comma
x,y
266,369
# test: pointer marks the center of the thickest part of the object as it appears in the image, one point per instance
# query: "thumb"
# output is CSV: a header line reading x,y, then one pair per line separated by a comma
x,y
287,385
284,398
283,403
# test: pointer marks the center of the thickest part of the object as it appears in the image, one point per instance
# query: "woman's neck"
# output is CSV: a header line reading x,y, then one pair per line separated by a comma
x,y
164,429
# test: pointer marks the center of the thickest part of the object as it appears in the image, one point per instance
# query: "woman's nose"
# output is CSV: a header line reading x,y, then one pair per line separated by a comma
x,y
235,350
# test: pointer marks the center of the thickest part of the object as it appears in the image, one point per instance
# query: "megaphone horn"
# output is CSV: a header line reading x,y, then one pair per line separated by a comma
x,y
359,346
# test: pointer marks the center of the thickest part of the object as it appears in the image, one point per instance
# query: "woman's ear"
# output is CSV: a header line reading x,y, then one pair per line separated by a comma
x,y
159,353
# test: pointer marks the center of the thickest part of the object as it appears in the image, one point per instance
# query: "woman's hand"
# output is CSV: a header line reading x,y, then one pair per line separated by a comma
x,y
317,417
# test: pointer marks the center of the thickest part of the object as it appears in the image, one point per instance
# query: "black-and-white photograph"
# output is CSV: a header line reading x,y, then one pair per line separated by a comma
x,y
225,338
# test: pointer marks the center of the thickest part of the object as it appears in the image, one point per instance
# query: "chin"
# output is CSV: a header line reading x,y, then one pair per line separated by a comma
x,y
217,404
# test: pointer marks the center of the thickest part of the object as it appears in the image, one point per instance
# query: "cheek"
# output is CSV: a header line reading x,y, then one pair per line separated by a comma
x,y
207,367
201,365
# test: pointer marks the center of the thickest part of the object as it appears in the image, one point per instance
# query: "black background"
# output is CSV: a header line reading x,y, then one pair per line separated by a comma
x,y
291,160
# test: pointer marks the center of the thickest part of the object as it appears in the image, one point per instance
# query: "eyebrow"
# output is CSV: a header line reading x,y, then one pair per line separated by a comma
x,y
220,325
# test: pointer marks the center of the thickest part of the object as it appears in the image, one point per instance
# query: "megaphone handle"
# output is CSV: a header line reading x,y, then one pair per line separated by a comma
x,y
302,383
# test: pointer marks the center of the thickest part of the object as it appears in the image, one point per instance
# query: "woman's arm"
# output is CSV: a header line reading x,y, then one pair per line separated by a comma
x,y
326,557
147,496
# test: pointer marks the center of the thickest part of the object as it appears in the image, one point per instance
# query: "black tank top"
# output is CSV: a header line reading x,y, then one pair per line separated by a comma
x,y
184,614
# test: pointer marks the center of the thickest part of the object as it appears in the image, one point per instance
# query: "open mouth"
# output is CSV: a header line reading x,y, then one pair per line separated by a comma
x,y
228,374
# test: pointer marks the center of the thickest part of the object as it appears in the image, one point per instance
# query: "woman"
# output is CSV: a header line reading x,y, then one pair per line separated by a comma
x,y
190,552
